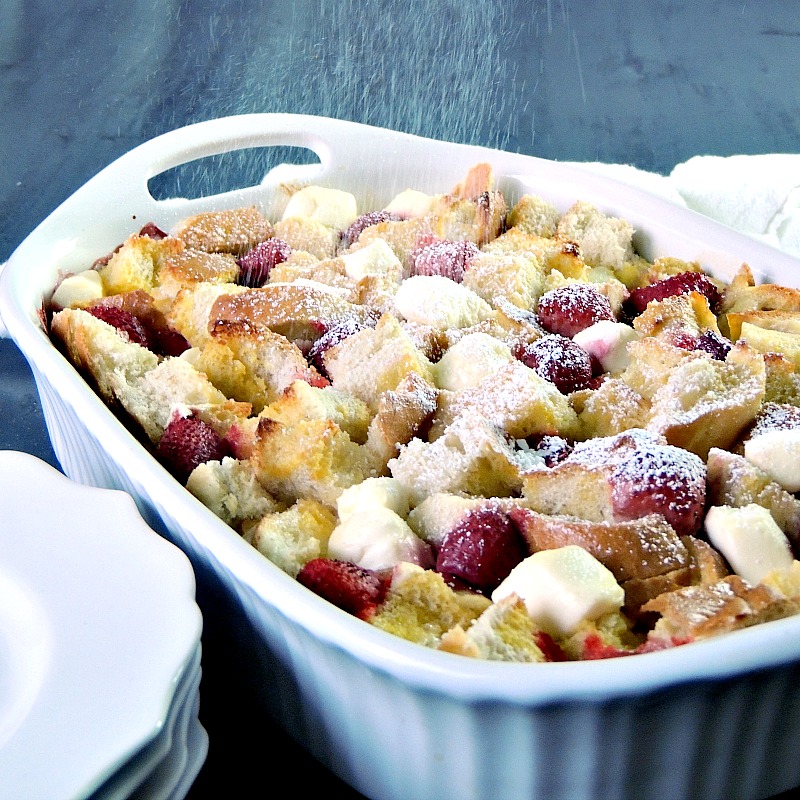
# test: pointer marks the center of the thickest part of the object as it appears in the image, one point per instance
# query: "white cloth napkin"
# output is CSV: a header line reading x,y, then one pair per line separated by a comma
x,y
758,195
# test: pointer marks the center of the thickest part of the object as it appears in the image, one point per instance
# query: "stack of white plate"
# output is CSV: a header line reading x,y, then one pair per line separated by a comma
x,y
99,645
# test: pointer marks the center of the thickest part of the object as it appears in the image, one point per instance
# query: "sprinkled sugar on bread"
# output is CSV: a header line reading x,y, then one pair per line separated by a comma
x,y
484,426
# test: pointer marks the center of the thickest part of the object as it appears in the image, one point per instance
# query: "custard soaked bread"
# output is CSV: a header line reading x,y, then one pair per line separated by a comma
x,y
487,427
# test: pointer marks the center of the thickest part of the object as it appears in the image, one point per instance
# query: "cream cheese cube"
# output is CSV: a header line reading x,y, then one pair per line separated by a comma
x,y
331,207
377,257
79,290
439,302
470,360
377,538
777,452
750,539
561,588
411,203
384,492
607,341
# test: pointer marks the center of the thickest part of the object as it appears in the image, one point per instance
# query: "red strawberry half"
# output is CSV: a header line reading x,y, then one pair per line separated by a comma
x,y
482,549
129,325
188,442
682,283
256,264
354,589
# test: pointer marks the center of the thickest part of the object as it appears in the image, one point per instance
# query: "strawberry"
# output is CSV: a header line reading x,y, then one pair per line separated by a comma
x,y
443,257
127,324
559,360
550,648
354,589
682,283
330,338
714,344
571,308
153,231
188,442
351,234
255,264
481,549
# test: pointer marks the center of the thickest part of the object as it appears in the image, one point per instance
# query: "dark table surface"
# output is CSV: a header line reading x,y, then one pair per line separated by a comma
x,y
648,84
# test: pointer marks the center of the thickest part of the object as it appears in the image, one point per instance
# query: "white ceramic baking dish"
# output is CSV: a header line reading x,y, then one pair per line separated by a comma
x,y
716,719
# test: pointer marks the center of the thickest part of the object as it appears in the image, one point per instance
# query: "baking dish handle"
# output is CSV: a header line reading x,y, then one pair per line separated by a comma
x,y
350,155
332,140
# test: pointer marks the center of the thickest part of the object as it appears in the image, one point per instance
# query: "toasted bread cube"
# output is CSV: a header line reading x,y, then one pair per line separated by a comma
x,y
292,538
706,403
229,231
136,264
552,253
152,398
421,607
518,279
309,458
253,364
299,400
773,341
470,457
503,632
301,312
640,548
189,311
230,489
728,605
309,236
376,360
783,380
534,215
401,414
98,349
683,314
610,409
515,399
604,241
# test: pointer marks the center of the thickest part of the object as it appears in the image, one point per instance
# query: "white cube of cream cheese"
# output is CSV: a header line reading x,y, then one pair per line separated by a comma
x,y
384,491
77,291
439,302
750,539
607,341
332,207
777,452
561,588
377,257
470,360
377,538
411,203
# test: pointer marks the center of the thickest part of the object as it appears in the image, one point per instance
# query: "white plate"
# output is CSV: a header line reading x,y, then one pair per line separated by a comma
x,y
166,775
97,617
150,773
197,750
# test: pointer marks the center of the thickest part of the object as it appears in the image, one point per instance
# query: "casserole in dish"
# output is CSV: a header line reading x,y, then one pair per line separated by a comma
x,y
714,719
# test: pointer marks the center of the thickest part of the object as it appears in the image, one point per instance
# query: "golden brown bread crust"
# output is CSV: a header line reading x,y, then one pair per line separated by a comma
x,y
640,549
231,231
95,347
697,612
300,312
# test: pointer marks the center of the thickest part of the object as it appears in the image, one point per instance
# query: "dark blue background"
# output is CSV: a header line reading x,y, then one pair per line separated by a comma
x,y
650,84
